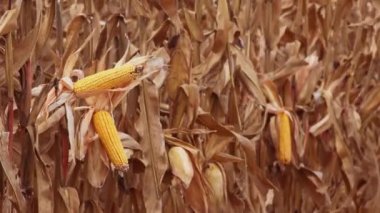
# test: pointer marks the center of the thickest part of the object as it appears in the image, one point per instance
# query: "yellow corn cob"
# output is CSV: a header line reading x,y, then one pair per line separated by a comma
x,y
108,79
106,129
285,138
181,164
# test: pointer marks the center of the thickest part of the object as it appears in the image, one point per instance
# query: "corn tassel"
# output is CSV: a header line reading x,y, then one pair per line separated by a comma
x,y
285,138
106,129
108,79
181,164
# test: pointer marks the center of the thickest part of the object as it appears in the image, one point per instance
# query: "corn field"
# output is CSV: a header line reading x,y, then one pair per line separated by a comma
x,y
190,106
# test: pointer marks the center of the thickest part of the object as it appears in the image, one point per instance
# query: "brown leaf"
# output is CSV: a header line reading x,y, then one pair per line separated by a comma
x,y
52,120
312,181
249,76
8,21
169,6
82,135
177,142
185,113
271,92
178,73
73,29
173,201
321,126
224,157
10,174
72,58
129,142
44,187
223,16
160,34
340,145
154,156
70,197
46,27
195,195
97,165
370,103
216,144
220,41
71,131
304,93
9,67
194,28
23,49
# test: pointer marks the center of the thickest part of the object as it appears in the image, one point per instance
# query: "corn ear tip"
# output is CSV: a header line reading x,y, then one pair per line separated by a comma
x,y
285,161
123,168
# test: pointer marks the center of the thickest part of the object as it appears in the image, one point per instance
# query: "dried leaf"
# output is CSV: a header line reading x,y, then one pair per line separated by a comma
x,y
70,197
249,77
82,138
44,187
220,41
341,147
153,145
371,102
10,173
178,73
9,19
195,195
52,120
71,131
97,165
72,59
23,49
193,26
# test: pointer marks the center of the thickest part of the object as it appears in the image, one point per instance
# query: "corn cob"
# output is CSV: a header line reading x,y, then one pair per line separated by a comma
x,y
108,79
106,129
216,179
181,164
285,138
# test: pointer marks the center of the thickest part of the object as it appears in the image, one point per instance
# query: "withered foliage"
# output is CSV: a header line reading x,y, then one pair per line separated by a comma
x,y
232,67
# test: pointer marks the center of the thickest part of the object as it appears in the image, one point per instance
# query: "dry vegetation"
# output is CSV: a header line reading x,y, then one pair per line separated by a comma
x,y
263,106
